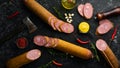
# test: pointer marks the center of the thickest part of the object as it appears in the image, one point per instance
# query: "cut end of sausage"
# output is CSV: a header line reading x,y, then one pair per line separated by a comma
x,y
101,45
88,10
80,9
40,40
67,28
90,55
33,54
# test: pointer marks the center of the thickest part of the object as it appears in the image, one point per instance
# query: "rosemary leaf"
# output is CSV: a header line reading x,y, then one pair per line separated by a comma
x,y
96,54
46,65
58,13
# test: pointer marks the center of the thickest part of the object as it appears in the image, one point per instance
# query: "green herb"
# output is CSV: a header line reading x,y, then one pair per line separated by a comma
x,y
96,54
55,53
58,13
46,65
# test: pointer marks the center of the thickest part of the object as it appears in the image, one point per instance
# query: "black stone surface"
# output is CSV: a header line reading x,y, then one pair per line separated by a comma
x,y
8,49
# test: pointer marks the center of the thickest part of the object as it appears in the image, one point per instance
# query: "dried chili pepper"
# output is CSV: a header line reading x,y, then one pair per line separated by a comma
x,y
56,63
13,15
114,33
22,42
82,42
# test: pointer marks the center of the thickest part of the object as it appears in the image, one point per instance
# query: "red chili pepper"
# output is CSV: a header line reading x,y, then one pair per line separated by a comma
x,y
13,15
114,33
56,63
82,42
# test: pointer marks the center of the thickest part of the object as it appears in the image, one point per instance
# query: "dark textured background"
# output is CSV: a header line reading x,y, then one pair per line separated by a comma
x,y
8,49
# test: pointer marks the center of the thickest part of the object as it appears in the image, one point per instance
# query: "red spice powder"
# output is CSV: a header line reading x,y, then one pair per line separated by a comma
x,y
22,42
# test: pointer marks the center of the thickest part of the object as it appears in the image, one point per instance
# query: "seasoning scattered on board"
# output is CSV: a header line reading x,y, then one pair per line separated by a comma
x,y
68,17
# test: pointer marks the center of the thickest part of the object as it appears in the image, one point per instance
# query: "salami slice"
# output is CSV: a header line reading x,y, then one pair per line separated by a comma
x,y
33,54
104,21
104,28
101,44
57,25
67,28
50,42
80,9
56,42
40,40
52,22
88,10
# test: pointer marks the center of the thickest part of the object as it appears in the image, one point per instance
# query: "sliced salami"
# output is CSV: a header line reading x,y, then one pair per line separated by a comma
x,y
47,38
104,21
50,42
80,9
49,19
33,54
52,22
40,40
101,44
67,28
104,28
56,42
88,10
57,25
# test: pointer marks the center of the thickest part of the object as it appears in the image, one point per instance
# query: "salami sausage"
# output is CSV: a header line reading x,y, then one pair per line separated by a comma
x,y
43,13
80,9
88,10
68,47
25,58
40,40
67,28
104,28
107,53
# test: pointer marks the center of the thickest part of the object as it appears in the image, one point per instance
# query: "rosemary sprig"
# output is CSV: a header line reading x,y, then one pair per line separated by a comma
x,y
96,54
58,13
46,65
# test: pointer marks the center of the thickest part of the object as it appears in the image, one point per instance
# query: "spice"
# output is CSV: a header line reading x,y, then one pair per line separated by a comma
x,y
68,17
114,33
13,15
22,42
56,63
82,42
